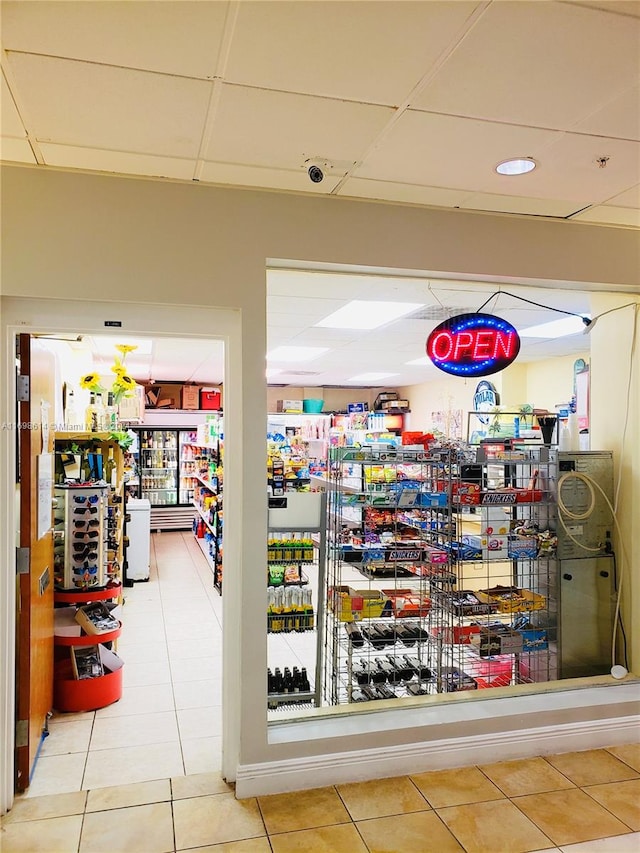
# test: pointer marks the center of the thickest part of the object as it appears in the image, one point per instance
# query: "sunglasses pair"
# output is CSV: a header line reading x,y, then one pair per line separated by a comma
x,y
81,499
86,534
83,510
89,522
86,570
88,554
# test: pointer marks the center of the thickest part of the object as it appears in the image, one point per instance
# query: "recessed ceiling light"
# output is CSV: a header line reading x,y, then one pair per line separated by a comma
x,y
554,329
360,314
295,353
517,166
370,377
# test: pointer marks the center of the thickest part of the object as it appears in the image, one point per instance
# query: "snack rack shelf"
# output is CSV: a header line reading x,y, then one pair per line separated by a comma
x,y
455,599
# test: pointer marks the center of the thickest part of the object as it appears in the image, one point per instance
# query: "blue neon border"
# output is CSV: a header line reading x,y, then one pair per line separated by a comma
x,y
469,321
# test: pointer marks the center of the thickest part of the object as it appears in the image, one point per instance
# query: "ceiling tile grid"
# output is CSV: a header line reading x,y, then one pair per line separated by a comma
x,y
410,102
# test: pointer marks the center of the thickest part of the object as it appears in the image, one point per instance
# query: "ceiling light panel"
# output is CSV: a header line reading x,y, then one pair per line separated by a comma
x,y
367,315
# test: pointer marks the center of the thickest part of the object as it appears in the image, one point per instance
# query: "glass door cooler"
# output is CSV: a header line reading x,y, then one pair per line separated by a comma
x,y
164,465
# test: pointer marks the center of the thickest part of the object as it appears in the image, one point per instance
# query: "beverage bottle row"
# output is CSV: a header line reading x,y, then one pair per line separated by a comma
x,y
158,481
98,416
158,440
289,682
289,609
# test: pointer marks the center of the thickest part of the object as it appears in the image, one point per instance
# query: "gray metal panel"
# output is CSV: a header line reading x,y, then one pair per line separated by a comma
x,y
595,531
587,607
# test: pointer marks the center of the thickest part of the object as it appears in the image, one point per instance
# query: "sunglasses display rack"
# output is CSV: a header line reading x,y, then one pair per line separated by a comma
x,y
81,536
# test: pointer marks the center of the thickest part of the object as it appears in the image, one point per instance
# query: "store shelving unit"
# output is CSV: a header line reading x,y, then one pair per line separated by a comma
x,y
295,609
297,447
78,456
89,555
441,608
204,459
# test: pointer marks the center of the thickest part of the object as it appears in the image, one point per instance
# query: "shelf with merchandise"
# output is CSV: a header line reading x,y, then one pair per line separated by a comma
x,y
483,590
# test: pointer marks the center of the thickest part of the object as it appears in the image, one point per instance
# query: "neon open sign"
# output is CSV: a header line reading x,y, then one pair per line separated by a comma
x,y
473,345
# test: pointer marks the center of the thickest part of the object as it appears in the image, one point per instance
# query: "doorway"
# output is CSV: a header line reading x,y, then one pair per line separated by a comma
x,y
156,321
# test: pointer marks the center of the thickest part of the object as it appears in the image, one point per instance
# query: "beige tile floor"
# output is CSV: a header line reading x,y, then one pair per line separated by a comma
x,y
142,776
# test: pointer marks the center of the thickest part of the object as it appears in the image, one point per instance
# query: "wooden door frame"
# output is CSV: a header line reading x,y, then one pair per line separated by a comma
x,y
54,316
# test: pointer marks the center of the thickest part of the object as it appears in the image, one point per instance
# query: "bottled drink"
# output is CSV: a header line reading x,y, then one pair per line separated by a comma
x,y
71,419
102,413
421,669
111,414
111,471
392,675
404,670
353,632
91,415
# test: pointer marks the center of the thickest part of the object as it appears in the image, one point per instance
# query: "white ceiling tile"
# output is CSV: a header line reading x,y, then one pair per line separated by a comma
x,y
282,130
619,118
281,282
16,150
622,7
175,37
393,191
312,304
609,215
628,198
96,159
518,204
10,120
542,64
261,176
451,152
568,169
367,51
87,105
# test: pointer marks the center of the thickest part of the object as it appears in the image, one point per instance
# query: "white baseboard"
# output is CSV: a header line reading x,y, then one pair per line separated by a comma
x,y
357,766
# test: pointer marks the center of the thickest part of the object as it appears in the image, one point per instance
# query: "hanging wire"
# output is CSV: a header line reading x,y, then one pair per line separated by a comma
x,y
584,319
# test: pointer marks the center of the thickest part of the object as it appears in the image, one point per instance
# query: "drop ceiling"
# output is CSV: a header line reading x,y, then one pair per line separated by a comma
x,y
411,102
406,101
298,299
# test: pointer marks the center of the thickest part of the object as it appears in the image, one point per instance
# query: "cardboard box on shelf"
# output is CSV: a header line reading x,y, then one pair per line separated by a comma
x,y
498,641
511,599
65,624
294,406
163,396
96,618
351,605
191,397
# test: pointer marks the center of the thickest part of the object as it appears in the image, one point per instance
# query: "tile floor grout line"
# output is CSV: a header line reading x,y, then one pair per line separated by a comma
x,y
606,808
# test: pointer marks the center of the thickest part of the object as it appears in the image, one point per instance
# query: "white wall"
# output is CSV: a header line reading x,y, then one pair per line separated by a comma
x,y
335,399
449,394
96,237
550,381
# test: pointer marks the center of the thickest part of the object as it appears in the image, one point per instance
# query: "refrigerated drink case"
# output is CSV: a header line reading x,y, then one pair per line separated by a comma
x,y
158,466
165,463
